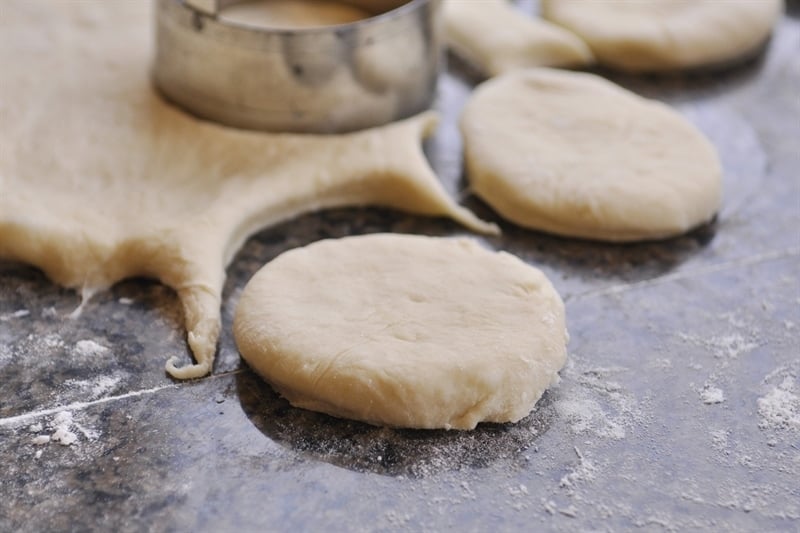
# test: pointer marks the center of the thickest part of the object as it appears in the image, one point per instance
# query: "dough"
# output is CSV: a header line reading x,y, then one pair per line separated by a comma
x,y
576,155
496,38
293,13
404,331
100,180
656,35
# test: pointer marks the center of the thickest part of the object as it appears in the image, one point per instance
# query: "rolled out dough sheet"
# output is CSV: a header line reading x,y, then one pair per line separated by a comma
x,y
100,180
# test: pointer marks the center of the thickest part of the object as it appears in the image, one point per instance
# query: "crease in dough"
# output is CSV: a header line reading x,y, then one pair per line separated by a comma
x,y
100,180
496,38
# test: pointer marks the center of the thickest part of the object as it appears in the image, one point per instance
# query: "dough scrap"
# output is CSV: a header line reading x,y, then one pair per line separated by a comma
x,y
404,331
496,38
576,155
663,35
100,180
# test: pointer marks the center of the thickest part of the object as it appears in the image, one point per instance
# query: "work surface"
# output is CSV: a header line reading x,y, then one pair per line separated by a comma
x,y
679,406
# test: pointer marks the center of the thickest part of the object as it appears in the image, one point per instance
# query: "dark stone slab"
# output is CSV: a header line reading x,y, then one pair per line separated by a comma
x,y
626,440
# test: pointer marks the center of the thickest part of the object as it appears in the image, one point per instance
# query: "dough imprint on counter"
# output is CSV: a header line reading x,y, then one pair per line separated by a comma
x,y
101,180
404,331
576,155
663,35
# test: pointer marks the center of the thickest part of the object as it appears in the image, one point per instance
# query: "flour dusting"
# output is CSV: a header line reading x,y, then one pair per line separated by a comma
x,y
780,407
62,425
89,348
5,354
711,395
584,471
586,415
62,429
21,313
728,346
94,388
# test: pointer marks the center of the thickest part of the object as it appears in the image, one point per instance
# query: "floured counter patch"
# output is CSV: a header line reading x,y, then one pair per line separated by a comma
x,y
89,348
130,186
780,407
711,395
62,429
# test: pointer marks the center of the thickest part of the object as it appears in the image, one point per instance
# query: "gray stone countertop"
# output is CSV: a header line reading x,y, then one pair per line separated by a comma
x,y
679,407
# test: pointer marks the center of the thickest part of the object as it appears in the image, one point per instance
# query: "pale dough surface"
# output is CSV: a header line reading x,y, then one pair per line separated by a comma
x,y
100,180
574,154
495,37
656,35
405,331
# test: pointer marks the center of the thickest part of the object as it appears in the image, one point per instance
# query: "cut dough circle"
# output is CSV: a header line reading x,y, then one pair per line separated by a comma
x,y
576,155
404,331
471,33
659,35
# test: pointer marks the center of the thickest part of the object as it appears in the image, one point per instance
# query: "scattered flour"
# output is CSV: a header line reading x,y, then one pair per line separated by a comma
x,y
711,395
62,426
89,348
780,407
729,346
518,491
570,511
125,301
21,313
719,439
586,415
549,506
584,471
5,354
50,341
62,429
94,388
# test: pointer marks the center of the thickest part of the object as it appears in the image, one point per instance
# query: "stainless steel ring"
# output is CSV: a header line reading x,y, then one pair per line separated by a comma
x,y
312,80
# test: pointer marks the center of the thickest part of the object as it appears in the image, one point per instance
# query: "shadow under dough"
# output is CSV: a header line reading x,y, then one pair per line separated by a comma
x,y
385,451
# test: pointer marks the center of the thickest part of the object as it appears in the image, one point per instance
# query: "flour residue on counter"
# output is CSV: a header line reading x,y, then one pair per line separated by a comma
x,y
779,408
710,394
62,429
89,348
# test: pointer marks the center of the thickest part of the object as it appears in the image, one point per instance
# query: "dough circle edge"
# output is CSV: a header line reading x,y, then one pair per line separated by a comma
x,y
416,365
505,170
707,35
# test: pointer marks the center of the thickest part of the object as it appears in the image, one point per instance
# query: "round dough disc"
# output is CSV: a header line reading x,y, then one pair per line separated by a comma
x,y
404,331
658,35
574,154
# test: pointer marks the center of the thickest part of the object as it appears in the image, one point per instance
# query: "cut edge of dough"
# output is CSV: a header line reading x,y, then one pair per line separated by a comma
x,y
509,208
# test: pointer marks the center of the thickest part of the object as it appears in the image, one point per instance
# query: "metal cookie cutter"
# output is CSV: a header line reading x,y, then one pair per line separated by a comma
x,y
321,79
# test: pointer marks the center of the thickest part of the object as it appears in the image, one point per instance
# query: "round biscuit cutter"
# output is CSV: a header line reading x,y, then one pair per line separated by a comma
x,y
326,79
